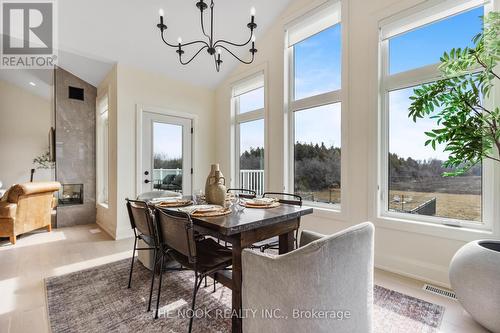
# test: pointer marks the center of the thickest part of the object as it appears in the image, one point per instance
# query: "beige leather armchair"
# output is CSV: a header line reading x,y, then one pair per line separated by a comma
x,y
27,207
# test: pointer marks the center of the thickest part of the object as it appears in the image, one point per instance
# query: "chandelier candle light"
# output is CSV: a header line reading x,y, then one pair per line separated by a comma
x,y
214,48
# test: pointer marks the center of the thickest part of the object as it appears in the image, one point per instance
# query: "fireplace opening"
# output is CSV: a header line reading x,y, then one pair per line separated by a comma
x,y
71,194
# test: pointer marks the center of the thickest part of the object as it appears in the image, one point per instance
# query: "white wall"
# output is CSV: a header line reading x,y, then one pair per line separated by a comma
x,y
136,87
106,214
421,251
25,120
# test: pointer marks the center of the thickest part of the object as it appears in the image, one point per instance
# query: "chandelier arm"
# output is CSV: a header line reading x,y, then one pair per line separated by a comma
x,y
164,41
194,56
234,44
234,55
194,42
182,45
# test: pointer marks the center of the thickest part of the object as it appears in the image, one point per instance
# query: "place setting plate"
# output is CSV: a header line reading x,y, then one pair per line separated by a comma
x,y
172,202
260,203
206,210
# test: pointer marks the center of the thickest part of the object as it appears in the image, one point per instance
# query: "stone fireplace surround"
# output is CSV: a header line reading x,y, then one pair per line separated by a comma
x,y
75,123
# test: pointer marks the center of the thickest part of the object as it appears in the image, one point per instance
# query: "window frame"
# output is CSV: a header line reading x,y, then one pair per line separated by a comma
x,y
408,79
102,149
332,97
249,116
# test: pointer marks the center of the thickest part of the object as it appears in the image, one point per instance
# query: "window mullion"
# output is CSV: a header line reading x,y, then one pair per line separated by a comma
x,y
318,100
412,78
250,116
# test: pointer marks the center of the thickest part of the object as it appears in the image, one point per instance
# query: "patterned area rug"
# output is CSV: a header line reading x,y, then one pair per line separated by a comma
x,y
97,300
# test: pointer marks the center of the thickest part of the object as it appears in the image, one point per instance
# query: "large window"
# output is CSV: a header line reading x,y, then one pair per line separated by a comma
x,y
102,144
248,103
413,185
314,112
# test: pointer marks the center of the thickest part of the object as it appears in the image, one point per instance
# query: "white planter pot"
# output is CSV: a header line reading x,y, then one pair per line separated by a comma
x,y
475,278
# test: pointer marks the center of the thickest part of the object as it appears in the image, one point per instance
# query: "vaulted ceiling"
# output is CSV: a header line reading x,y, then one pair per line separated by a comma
x,y
94,34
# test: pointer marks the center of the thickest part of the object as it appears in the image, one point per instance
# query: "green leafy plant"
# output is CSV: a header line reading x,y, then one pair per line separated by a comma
x,y
468,123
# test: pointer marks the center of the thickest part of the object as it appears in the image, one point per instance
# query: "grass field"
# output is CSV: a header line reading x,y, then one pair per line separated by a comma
x,y
322,196
457,206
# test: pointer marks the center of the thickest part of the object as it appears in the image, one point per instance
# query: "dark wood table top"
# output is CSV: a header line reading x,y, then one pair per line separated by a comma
x,y
251,218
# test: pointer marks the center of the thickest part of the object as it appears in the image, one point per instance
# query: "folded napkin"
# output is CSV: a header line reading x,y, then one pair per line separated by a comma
x,y
200,208
166,199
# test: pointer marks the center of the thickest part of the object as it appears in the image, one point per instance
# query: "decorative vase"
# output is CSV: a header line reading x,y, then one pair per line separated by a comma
x,y
215,188
474,273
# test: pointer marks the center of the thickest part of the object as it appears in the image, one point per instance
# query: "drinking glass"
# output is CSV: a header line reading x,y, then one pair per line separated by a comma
x,y
235,199
198,197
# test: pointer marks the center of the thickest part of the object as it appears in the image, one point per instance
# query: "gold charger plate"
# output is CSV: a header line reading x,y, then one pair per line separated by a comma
x,y
252,205
221,212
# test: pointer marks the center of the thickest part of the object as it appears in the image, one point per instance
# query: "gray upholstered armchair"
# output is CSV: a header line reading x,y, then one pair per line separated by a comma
x,y
333,274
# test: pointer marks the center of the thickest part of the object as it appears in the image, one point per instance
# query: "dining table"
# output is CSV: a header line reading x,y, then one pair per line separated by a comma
x,y
242,228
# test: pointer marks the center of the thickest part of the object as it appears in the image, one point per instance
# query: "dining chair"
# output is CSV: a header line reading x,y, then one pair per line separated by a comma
x,y
332,272
177,241
243,193
147,196
142,223
284,198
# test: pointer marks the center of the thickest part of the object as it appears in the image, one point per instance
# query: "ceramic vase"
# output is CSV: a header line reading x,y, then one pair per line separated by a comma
x,y
215,187
474,274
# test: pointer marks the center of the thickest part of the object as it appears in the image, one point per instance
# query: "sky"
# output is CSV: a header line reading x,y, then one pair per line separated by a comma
x,y
409,140
252,100
417,48
317,70
251,135
318,63
309,130
424,46
167,139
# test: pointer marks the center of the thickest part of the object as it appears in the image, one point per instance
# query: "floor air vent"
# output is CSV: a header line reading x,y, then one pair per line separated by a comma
x,y
439,291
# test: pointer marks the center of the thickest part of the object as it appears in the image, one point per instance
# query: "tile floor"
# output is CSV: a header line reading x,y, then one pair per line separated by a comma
x,y
40,254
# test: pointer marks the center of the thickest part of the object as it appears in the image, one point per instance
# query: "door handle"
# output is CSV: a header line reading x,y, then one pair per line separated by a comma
x,y
146,181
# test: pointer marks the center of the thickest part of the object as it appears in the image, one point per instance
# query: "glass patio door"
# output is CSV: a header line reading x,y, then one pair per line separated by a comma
x,y
166,160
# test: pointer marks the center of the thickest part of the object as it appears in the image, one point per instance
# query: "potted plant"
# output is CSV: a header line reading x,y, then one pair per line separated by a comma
x,y
468,125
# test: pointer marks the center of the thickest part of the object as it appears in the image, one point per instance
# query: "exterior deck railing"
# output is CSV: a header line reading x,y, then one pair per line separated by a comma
x,y
252,180
249,179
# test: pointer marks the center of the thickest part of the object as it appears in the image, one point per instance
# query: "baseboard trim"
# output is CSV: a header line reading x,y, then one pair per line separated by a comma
x,y
122,234
106,229
414,269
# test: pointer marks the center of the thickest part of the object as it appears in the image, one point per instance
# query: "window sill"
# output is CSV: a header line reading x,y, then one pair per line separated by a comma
x,y
326,211
432,229
103,205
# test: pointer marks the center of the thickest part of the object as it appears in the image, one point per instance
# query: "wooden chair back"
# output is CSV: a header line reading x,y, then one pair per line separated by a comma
x,y
285,198
141,218
243,193
176,232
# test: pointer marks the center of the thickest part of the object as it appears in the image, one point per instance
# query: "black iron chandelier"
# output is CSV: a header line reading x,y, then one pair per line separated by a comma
x,y
214,48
